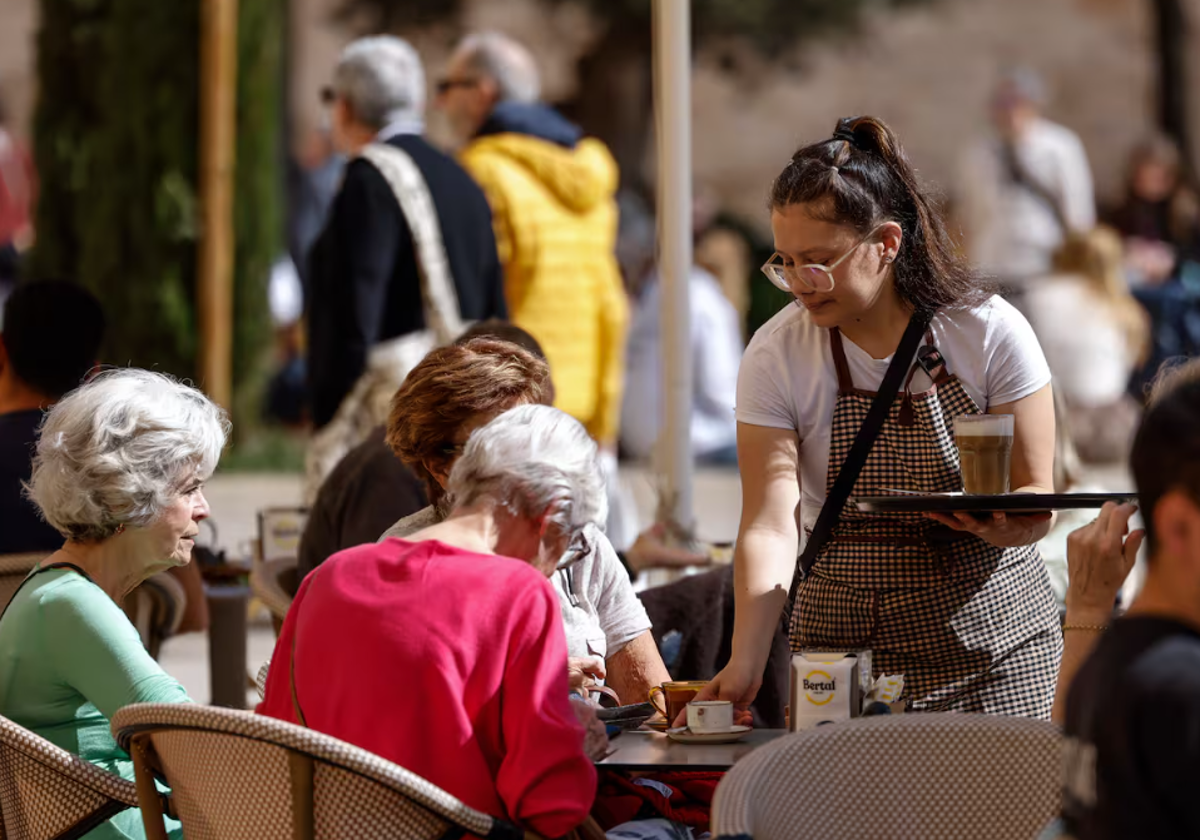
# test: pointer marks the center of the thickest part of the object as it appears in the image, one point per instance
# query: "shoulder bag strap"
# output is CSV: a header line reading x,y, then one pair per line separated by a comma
x,y
442,314
292,681
1021,176
856,458
293,614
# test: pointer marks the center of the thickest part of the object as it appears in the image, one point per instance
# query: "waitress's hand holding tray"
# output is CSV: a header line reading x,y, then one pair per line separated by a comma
x,y
986,508
985,443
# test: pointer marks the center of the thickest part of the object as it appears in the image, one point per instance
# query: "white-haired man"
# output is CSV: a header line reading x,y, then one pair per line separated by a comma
x,y
386,270
1024,188
552,196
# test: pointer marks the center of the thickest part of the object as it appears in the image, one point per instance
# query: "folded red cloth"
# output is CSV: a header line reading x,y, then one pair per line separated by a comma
x,y
681,796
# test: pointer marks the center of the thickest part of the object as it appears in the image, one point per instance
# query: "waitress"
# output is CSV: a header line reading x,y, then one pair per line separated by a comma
x,y
962,607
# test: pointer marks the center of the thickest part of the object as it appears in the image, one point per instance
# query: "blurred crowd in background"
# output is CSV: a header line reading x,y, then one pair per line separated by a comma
x,y
1029,220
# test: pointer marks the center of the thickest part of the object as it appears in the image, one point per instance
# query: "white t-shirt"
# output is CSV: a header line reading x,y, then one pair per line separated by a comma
x,y
1091,365
788,379
716,342
1010,231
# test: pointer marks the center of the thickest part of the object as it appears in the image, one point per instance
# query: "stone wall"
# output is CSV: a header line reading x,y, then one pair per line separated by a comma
x,y
926,70
18,22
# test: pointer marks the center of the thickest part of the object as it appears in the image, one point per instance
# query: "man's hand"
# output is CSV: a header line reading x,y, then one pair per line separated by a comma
x,y
1099,559
595,739
583,671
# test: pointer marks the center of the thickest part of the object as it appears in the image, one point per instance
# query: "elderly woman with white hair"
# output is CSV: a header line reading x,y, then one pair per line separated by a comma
x,y
119,471
383,254
444,652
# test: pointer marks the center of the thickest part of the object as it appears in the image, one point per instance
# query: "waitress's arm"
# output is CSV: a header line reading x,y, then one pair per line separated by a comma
x,y
1032,468
1031,471
764,559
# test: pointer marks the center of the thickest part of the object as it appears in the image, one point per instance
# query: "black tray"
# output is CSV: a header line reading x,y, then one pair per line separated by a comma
x,y
1008,503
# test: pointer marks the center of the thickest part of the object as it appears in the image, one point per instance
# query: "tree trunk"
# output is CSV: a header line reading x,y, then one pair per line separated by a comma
x,y
1171,35
615,102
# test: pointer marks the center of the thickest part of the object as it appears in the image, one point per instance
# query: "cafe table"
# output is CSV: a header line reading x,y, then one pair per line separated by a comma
x,y
642,749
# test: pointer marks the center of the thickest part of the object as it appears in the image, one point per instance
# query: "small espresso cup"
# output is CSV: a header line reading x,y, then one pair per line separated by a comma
x,y
705,716
985,444
674,697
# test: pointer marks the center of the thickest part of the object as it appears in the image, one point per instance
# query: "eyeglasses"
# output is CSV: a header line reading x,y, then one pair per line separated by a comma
x,y
444,86
813,276
578,549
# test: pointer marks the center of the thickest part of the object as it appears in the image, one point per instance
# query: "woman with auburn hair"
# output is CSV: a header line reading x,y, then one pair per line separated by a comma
x,y
962,607
454,391
450,394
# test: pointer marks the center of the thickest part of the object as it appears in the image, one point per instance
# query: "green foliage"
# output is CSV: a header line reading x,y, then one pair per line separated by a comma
x,y
115,144
258,205
115,149
266,449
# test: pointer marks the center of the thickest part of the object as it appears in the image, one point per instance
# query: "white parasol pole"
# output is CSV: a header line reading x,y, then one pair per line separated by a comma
x,y
672,103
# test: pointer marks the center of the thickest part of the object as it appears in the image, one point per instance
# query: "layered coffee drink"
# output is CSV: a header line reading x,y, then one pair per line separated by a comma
x,y
984,452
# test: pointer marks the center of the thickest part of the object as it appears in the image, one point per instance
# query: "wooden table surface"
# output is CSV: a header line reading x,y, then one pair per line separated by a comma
x,y
644,750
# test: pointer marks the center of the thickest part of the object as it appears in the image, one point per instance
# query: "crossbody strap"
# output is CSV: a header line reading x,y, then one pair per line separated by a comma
x,y
295,619
856,458
438,296
292,681
38,571
1024,178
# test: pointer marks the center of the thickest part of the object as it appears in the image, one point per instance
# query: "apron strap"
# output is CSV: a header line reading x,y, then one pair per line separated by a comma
x,y
856,458
845,380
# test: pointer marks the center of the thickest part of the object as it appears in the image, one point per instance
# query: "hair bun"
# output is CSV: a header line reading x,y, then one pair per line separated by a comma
x,y
845,132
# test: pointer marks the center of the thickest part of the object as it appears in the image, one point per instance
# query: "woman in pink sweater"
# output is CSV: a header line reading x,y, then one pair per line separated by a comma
x,y
445,654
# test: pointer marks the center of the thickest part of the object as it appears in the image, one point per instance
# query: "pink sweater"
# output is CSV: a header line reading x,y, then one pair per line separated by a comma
x,y
448,663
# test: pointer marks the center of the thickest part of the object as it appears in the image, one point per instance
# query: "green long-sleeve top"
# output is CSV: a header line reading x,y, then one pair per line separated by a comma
x,y
69,659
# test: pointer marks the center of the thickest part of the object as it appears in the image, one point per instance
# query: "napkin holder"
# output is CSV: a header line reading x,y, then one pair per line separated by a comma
x,y
827,687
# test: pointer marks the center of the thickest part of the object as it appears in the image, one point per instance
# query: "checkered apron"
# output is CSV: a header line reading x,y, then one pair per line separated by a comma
x,y
972,627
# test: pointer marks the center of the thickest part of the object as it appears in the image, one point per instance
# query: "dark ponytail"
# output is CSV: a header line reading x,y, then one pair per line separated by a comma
x,y
861,177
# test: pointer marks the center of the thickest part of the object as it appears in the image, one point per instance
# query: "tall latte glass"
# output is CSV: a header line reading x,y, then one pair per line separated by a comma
x,y
984,452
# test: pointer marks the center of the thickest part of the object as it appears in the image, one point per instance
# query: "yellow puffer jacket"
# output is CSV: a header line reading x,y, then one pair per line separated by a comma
x,y
555,217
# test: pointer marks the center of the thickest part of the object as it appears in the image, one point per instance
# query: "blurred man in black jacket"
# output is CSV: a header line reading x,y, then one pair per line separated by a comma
x,y
365,286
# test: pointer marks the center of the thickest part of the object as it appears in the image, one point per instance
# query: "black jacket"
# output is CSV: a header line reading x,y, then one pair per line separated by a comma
x,y
364,283
700,610
369,491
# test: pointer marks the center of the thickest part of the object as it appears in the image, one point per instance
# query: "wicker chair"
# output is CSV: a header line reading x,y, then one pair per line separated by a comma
x,y
260,679
156,608
273,578
14,568
266,583
236,775
47,793
926,776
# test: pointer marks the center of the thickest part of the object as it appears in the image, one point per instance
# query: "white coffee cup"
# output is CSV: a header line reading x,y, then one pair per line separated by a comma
x,y
708,716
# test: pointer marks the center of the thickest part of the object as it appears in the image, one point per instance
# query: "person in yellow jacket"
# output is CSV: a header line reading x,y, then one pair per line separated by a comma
x,y
552,196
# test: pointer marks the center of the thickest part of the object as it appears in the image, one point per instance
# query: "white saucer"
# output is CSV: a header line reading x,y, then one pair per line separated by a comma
x,y
686,736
